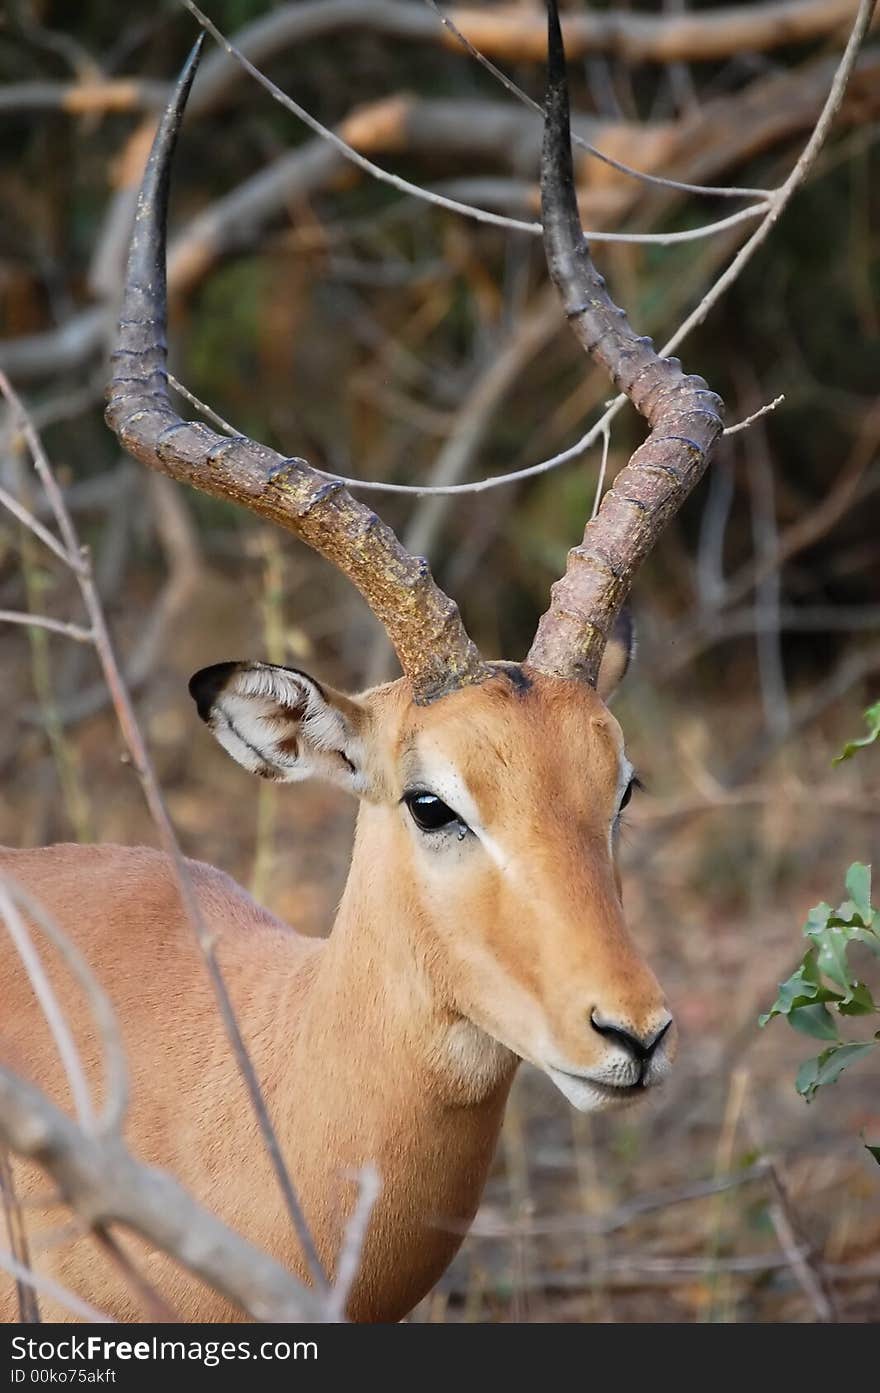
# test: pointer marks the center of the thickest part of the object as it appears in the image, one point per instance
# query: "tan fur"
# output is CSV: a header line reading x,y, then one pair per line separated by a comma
x,y
393,1041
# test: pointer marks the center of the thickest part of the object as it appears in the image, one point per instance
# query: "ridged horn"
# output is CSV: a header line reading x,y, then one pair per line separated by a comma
x,y
422,623
683,414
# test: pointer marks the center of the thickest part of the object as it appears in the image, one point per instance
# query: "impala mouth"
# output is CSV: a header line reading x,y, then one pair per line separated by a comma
x,y
594,1095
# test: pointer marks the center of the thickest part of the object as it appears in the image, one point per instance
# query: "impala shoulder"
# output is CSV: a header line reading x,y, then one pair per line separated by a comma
x,y
132,883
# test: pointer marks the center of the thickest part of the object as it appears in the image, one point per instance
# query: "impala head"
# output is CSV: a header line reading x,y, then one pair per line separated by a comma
x,y
492,792
495,810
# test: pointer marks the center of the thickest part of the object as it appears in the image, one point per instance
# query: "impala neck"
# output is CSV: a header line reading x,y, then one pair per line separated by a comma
x,y
400,1079
383,972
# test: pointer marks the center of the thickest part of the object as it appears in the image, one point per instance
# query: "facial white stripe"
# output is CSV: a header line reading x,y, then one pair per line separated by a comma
x,y
497,854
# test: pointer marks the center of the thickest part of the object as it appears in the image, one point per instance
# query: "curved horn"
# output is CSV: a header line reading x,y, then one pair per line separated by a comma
x,y
422,623
684,416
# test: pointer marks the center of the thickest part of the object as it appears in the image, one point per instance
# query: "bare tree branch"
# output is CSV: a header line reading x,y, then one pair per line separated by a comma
x,y
27,519
77,558
28,1305
418,191
348,151
369,1190
100,96
515,33
728,131
756,415
509,32
34,1281
693,636
44,621
115,1069
783,195
619,165
153,1305
105,1185
48,1001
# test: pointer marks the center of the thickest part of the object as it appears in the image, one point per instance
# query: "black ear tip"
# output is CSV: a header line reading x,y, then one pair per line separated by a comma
x,y
206,685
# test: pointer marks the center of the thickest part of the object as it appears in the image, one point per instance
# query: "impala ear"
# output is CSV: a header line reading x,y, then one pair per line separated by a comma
x,y
617,656
281,724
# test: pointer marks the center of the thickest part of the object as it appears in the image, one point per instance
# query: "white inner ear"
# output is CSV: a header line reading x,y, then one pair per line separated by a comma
x,y
279,724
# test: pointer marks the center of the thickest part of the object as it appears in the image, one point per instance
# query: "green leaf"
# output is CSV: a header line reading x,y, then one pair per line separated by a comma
x,y
861,1002
818,917
832,956
832,930
807,1074
816,1073
803,988
874,1150
846,916
815,1020
858,885
870,938
872,719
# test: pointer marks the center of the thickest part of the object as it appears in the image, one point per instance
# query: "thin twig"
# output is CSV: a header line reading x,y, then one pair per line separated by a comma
x,y
755,416
798,1255
805,1262
115,1067
573,452
27,519
143,766
43,621
28,1305
780,199
510,86
783,101
384,176
600,482
55,1018
635,1271
783,195
66,1298
712,34
369,1190
348,151
36,584
154,1306
613,1220
103,1183
720,1291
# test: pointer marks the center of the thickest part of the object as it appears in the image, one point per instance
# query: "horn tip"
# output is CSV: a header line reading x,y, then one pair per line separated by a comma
x,y
194,55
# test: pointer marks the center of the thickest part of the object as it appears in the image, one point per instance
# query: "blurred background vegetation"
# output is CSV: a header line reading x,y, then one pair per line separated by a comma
x,y
384,338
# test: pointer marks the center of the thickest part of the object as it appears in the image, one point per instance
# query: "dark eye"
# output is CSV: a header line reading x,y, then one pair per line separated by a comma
x,y
633,784
429,812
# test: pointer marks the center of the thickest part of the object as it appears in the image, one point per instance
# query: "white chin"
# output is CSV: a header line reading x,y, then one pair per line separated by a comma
x,y
590,1097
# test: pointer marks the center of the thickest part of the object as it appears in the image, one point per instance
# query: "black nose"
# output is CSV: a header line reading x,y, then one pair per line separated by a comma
x,y
639,1046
